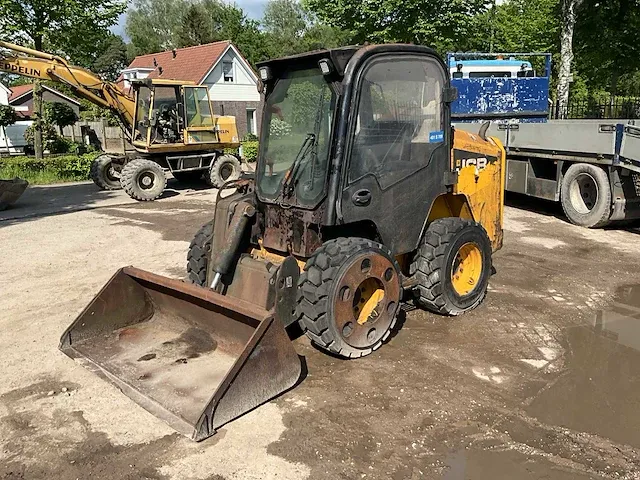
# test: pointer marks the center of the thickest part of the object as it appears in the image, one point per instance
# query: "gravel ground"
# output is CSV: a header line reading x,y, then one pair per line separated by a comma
x,y
541,381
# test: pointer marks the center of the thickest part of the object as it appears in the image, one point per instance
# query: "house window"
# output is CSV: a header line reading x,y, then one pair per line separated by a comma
x,y
227,71
251,121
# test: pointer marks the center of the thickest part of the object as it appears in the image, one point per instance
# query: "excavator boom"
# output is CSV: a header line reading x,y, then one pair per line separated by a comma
x,y
88,85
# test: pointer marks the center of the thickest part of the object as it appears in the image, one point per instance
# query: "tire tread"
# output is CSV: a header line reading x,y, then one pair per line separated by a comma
x,y
314,288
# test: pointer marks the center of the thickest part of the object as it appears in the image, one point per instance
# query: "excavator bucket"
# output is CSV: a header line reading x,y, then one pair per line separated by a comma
x,y
191,356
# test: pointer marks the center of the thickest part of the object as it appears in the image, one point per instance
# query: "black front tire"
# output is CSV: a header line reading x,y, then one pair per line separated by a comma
x,y
103,174
586,195
435,263
328,306
199,253
143,180
224,169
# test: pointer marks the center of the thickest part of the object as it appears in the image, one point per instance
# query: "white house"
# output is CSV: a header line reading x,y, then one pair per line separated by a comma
x,y
4,95
220,65
20,98
12,137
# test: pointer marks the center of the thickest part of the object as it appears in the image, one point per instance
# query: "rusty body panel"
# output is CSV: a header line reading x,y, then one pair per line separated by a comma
x,y
191,356
292,230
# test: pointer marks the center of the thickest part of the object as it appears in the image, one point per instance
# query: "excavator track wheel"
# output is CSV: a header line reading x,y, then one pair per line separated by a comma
x,y
103,173
224,169
453,266
143,180
349,294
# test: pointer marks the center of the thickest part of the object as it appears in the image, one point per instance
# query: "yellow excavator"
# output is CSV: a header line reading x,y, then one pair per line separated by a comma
x,y
364,198
170,124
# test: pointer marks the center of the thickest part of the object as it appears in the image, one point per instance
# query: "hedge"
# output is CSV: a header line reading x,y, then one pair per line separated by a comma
x,y
250,151
51,169
68,168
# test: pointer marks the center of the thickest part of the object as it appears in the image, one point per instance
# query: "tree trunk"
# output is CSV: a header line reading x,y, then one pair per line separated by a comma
x,y
37,119
569,8
37,109
6,141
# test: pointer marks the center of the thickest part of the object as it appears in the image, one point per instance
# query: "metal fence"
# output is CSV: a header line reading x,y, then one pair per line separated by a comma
x,y
614,107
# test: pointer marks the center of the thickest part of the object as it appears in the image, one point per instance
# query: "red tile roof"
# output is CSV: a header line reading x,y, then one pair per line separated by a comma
x,y
19,90
189,64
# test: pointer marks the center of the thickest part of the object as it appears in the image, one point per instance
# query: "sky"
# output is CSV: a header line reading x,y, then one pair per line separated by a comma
x,y
252,8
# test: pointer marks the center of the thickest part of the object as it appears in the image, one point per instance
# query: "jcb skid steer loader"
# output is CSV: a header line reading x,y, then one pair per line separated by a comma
x,y
362,183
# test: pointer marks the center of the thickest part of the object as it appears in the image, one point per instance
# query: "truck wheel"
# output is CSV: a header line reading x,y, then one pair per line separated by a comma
x,y
349,294
453,266
224,169
198,256
103,174
143,179
188,177
586,195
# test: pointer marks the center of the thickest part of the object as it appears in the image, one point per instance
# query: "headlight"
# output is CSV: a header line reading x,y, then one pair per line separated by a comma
x,y
265,73
325,66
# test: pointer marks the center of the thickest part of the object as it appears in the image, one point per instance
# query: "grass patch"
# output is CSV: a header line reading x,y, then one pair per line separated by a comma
x,y
51,169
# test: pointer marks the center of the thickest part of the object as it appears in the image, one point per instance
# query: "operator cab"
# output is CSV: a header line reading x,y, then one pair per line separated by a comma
x,y
170,113
347,132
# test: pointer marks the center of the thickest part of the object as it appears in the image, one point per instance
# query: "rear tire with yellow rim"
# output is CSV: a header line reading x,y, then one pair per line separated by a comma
x,y
453,266
349,295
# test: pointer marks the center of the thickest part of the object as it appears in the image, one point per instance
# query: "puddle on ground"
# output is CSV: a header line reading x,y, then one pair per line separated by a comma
x,y
599,392
504,465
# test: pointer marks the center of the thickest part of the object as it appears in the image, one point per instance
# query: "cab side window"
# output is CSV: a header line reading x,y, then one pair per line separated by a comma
x,y
399,120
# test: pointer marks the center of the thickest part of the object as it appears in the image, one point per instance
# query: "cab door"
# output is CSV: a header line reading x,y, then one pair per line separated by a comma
x,y
398,148
200,124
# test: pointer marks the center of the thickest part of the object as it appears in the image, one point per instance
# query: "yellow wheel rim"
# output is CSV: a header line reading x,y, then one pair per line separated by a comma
x,y
366,300
466,269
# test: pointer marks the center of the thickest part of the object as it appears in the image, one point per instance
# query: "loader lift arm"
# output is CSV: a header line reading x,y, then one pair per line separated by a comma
x,y
45,66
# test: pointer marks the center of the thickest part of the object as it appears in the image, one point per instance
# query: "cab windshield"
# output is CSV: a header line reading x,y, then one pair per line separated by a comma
x,y
296,138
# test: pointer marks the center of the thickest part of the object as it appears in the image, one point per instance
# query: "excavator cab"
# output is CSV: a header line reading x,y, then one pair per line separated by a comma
x,y
171,113
364,197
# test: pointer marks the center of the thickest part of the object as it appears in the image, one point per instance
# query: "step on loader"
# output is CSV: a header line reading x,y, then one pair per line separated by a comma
x,y
364,197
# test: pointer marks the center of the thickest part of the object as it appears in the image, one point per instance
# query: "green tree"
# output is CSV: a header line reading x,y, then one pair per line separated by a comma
x,y
606,52
152,25
113,58
196,27
41,23
519,26
285,23
291,28
443,24
159,25
231,23
60,114
320,35
8,116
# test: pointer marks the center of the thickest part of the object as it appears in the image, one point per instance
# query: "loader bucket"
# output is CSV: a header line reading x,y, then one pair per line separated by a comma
x,y
193,357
